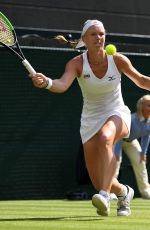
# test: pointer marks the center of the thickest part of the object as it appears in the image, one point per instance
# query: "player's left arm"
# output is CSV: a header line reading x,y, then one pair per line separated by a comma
x,y
58,85
65,81
125,66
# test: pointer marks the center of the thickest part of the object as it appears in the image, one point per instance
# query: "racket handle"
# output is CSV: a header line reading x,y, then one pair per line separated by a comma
x,y
29,67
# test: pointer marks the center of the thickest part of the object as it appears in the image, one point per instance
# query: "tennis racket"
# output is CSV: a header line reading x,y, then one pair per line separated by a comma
x,y
9,40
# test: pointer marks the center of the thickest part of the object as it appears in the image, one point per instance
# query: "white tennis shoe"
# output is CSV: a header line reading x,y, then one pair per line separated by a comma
x,y
124,203
102,204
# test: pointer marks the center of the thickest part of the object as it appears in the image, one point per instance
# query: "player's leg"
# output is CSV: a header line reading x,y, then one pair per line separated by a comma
x,y
114,130
99,156
101,163
94,166
118,165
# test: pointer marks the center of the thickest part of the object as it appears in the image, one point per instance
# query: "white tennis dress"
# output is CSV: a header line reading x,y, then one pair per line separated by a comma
x,y
102,98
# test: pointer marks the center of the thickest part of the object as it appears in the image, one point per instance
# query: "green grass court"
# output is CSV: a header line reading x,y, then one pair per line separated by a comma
x,y
64,215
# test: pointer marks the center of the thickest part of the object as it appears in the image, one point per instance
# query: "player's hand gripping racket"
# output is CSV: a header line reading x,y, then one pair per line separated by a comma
x,y
9,40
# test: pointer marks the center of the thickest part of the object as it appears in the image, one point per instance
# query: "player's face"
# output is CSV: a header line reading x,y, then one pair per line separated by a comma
x,y
146,109
95,37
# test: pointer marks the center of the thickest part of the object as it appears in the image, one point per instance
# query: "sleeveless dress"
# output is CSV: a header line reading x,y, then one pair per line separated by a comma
x,y
102,98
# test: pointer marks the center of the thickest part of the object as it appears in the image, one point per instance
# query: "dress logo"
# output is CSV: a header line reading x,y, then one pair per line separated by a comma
x,y
111,78
86,76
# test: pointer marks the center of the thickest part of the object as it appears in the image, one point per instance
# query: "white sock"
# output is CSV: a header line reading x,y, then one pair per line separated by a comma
x,y
104,193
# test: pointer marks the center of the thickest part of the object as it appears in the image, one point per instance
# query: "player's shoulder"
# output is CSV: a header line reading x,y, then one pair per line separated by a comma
x,y
77,60
75,64
120,58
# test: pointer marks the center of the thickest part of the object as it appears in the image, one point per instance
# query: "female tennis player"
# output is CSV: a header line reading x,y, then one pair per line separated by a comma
x,y
105,118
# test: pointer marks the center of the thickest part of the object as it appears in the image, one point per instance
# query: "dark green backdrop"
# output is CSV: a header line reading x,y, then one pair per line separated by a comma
x,y
39,131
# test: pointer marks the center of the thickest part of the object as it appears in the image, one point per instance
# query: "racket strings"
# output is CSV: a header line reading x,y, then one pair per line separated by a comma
x,y
6,33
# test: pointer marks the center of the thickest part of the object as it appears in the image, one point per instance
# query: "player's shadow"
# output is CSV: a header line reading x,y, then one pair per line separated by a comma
x,y
66,218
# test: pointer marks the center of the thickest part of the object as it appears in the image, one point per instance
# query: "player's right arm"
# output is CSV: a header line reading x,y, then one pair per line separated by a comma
x,y
72,70
125,66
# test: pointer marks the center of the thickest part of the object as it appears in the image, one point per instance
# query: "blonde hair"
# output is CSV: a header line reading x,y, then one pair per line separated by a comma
x,y
139,104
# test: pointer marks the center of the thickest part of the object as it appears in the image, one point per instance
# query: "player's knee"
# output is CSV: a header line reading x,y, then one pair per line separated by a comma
x,y
105,139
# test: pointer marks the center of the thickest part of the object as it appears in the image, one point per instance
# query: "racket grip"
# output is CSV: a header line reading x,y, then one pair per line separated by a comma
x,y
29,67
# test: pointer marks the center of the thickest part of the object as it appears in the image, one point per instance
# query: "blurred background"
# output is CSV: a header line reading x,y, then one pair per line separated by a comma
x,y
40,145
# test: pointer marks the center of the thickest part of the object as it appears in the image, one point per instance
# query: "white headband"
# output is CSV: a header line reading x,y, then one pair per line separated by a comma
x,y
87,25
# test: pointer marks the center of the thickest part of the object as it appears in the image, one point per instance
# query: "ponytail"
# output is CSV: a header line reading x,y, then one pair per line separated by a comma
x,y
63,40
